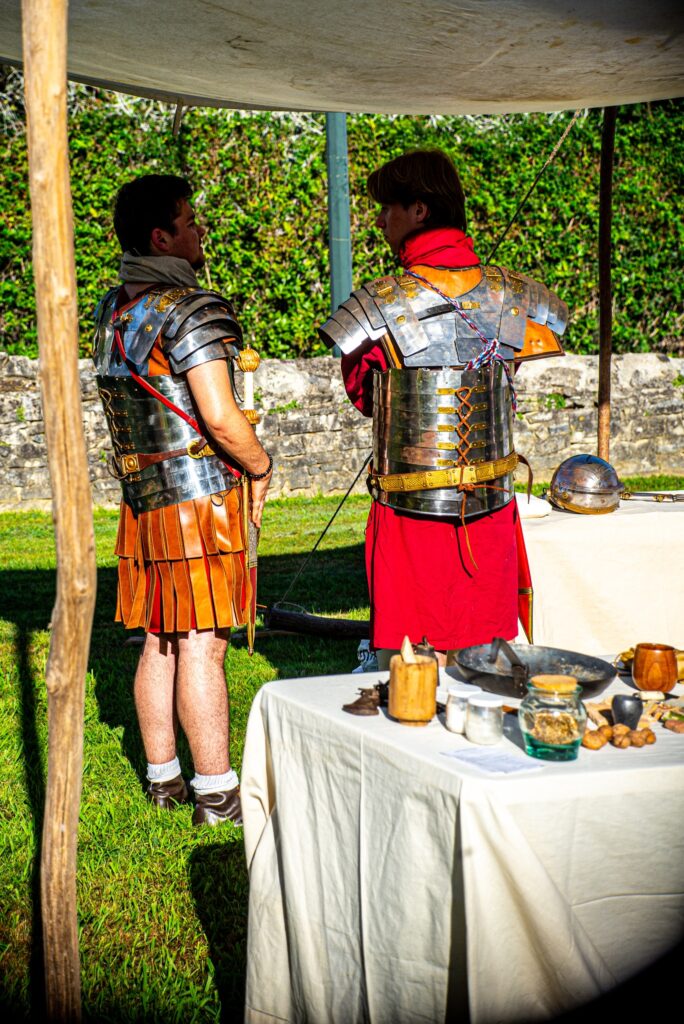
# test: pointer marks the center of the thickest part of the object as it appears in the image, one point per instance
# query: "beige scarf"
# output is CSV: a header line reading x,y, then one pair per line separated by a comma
x,y
156,269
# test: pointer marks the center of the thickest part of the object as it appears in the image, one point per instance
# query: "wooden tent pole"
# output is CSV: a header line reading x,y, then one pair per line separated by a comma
x,y
605,285
45,48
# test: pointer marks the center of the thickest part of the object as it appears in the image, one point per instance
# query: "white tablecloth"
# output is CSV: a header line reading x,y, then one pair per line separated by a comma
x,y
606,583
391,883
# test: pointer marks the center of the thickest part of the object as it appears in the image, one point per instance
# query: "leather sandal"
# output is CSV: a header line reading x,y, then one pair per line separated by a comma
x,y
168,795
216,808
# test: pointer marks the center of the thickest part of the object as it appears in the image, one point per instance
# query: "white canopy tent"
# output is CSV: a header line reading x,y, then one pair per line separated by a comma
x,y
441,56
438,56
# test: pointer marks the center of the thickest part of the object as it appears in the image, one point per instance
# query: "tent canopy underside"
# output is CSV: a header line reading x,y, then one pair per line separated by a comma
x,y
440,56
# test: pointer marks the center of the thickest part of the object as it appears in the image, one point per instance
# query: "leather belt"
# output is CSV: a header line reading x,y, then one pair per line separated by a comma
x,y
433,479
125,465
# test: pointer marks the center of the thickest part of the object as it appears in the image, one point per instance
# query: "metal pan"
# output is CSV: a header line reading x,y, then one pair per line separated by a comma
x,y
505,668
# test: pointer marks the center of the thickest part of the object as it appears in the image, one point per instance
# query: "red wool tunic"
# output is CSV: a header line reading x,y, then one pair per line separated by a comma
x,y
421,577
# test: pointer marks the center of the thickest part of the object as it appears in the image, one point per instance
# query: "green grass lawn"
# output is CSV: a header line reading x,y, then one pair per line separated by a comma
x,y
162,907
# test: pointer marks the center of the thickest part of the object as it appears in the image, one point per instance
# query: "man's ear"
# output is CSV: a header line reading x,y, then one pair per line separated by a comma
x,y
159,240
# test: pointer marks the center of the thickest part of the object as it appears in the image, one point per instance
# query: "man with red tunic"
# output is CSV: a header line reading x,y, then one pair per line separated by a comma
x,y
430,355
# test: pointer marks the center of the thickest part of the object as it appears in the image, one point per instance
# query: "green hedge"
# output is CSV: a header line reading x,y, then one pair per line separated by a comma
x,y
261,191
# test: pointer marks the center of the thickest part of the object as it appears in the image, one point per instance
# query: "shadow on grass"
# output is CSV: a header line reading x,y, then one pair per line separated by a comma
x,y
35,789
27,599
218,882
332,582
29,1004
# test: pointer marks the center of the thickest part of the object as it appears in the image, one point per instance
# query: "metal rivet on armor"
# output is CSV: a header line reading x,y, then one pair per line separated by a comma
x,y
514,311
148,328
401,319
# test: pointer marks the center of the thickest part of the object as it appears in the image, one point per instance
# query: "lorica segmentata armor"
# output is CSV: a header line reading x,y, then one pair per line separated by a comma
x,y
440,409
160,459
431,419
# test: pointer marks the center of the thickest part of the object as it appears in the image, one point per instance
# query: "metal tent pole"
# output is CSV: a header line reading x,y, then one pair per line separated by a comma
x,y
605,285
339,231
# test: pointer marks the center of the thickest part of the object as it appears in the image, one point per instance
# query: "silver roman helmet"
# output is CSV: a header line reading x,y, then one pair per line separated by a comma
x,y
586,484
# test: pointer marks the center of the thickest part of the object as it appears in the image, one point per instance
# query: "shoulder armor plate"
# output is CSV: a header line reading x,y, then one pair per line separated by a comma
x,y
427,329
194,325
104,336
197,330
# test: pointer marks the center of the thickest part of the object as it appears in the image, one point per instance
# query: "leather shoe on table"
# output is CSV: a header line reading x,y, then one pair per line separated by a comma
x,y
367,704
168,795
215,808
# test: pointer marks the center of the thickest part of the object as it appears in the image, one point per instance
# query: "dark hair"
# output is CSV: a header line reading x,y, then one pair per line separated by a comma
x,y
425,174
152,201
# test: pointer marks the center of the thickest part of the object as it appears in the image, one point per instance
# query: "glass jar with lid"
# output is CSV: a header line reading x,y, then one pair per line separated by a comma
x,y
456,704
484,718
552,718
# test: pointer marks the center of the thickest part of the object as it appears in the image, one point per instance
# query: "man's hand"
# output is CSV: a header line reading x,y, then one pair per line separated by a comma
x,y
258,489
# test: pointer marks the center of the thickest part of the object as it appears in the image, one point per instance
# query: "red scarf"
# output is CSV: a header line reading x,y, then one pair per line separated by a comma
x,y
449,248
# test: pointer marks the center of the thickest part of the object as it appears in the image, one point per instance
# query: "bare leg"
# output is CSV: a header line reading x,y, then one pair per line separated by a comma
x,y
154,697
202,698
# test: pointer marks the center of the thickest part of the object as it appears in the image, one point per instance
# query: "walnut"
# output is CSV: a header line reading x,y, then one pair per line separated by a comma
x,y
594,740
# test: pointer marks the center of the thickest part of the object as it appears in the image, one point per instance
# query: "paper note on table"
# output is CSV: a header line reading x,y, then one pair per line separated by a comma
x,y
488,759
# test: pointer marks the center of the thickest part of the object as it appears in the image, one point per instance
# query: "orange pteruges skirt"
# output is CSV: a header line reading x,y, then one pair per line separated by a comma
x,y
183,567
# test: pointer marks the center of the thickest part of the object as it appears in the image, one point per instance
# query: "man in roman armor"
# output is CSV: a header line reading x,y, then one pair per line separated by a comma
x,y
163,352
430,354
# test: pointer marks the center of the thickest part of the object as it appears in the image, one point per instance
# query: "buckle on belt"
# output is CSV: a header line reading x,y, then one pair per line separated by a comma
x,y
128,464
122,466
199,448
460,477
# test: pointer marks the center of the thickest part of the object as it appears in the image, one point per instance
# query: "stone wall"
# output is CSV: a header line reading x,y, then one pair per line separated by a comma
x,y
319,440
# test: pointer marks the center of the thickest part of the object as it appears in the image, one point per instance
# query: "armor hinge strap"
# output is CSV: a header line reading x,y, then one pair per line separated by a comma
x,y
125,465
432,480
201,443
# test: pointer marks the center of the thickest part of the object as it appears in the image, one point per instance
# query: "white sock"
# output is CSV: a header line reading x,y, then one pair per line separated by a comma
x,y
163,772
215,783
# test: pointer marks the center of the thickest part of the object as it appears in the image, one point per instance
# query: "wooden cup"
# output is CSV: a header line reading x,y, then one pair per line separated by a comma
x,y
413,690
654,667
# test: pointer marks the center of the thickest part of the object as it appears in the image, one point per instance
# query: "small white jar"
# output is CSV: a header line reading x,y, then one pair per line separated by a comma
x,y
457,702
484,718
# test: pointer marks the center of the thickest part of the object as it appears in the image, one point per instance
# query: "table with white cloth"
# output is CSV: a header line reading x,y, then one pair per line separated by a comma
x,y
607,582
390,882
